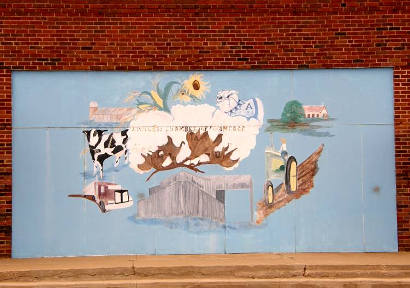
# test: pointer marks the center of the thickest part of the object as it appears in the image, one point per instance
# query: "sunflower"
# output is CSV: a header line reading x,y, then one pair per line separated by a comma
x,y
195,86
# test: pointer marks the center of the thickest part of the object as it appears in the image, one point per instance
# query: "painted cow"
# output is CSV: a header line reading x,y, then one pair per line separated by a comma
x,y
228,101
103,146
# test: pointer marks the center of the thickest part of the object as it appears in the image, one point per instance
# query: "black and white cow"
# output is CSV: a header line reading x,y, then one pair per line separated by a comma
x,y
103,146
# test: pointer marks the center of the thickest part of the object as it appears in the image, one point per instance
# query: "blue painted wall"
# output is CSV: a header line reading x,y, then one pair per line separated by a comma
x,y
352,206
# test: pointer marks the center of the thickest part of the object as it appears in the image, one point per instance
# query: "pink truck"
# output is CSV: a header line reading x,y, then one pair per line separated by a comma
x,y
108,196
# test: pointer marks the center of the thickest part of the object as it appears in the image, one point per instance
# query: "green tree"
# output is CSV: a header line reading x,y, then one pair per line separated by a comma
x,y
293,112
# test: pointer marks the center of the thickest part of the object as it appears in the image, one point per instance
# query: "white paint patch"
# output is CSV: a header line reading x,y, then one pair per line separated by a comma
x,y
167,162
202,158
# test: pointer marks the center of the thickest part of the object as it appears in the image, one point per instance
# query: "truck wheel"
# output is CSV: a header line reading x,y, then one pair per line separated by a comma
x,y
269,195
102,207
291,175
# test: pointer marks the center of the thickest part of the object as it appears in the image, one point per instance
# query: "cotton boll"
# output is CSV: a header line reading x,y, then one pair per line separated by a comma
x,y
150,129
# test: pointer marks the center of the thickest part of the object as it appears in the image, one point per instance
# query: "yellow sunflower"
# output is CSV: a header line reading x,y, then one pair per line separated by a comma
x,y
195,86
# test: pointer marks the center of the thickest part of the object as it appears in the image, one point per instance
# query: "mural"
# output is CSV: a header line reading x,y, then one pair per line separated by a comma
x,y
208,158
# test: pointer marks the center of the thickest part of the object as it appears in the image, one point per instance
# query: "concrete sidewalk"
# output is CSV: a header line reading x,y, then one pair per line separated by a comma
x,y
234,270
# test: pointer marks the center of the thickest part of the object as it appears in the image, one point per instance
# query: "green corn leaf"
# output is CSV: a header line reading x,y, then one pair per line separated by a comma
x,y
159,91
168,87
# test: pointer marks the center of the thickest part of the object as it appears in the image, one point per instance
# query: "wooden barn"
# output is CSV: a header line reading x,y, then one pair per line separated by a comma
x,y
188,195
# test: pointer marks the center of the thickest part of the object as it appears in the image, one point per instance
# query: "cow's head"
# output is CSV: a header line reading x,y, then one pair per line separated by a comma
x,y
124,132
93,135
87,134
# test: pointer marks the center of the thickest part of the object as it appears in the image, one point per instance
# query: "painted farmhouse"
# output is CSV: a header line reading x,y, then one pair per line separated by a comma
x,y
315,111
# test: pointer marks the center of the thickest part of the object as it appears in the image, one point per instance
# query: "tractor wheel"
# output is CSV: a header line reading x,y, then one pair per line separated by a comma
x,y
269,195
291,175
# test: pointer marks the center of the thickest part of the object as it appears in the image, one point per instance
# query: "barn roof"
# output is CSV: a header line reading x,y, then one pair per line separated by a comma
x,y
314,108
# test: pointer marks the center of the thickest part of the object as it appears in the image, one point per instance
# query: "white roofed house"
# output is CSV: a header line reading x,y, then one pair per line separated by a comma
x,y
315,111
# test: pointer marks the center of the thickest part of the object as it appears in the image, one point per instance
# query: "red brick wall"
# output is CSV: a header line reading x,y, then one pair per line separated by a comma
x,y
205,35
